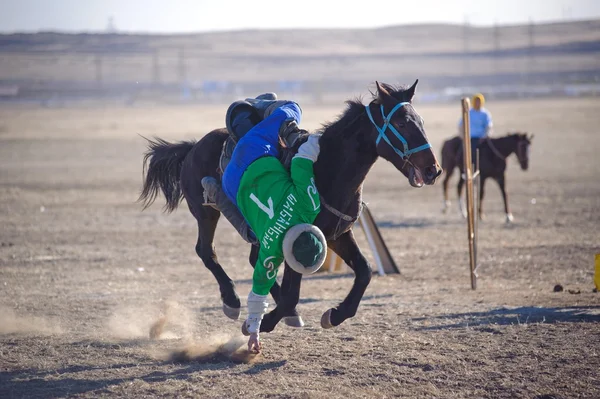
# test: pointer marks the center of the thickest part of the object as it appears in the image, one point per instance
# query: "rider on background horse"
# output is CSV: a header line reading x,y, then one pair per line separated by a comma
x,y
278,205
480,123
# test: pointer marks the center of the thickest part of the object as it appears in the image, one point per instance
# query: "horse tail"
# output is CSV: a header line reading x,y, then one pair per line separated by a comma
x,y
162,169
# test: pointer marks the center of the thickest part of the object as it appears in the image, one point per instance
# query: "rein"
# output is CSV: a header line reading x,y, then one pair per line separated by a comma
x,y
342,217
494,149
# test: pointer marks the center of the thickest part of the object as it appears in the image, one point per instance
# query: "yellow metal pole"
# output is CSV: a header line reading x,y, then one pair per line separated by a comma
x,y
468,168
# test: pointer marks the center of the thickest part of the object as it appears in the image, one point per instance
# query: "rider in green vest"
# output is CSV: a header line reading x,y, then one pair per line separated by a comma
x,y
278,205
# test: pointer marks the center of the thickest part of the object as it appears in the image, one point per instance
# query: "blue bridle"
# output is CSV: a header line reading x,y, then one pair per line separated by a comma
x,y
387,124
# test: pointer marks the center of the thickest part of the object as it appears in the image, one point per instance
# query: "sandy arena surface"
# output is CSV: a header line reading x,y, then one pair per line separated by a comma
x,y
84,272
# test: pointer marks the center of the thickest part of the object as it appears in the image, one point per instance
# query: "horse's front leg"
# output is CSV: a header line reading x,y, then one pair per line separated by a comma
x,y
345,246
286,307
502,183
461,203
445,191
448,174
481,194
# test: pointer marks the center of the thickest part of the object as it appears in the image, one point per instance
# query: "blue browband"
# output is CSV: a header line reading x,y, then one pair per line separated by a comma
x,y
387,124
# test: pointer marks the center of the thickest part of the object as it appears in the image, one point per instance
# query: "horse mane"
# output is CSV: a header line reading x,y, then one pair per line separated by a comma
x,y
355,109
508,136
341,126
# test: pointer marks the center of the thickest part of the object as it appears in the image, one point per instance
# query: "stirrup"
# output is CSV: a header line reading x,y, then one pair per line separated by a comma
x,y
226,154
207,202
207,183
212,204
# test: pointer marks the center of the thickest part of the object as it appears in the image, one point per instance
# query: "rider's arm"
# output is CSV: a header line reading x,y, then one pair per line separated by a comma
x,y
269,127
489,124
287,112
303,177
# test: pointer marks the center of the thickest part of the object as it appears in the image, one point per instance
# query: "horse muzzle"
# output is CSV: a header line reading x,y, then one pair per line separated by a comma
x,y
415,178
428,177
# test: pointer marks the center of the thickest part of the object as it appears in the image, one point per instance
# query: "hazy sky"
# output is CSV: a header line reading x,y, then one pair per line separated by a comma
x,y
172,16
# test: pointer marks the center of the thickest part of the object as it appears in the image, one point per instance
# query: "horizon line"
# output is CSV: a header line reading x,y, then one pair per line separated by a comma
x,y
255,29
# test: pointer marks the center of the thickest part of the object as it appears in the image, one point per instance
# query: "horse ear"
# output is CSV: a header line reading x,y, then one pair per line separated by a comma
x,y
382,93
531,137
411,90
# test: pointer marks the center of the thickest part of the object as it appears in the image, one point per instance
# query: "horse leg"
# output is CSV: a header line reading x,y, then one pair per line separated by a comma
x,y
481,193
291,318
502,183
207,224
461,204
286,308
345,246
448,175
290,288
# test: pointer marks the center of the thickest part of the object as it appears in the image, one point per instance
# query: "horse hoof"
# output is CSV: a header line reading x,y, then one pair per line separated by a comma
x,y
509,218
446,207
232,313
326,319
294,321
245,329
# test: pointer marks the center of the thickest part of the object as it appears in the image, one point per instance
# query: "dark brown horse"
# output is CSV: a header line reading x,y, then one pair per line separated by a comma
x,y
349,148
493,153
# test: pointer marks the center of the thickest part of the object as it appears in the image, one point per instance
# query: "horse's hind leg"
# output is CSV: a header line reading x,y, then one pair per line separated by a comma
x,y
348,250
207,224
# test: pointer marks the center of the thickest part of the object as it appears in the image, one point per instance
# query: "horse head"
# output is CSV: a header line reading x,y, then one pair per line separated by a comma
x,y
522,150
399,133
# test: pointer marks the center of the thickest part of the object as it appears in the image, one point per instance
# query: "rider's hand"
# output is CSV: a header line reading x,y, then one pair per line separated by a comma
x,y
254,343
311,148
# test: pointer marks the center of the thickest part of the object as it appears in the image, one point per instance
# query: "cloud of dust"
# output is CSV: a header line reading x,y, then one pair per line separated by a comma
x,y
171,320
214,349
12,323
167,321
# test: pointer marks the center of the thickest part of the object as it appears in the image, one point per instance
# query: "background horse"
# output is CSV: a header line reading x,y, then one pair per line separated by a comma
x,y
388,127
493,153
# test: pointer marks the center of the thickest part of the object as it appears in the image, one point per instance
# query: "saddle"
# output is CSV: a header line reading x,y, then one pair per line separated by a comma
x,y
285,154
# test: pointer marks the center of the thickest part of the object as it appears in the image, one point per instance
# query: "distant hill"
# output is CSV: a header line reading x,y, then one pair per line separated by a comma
x,y
403,39
330,59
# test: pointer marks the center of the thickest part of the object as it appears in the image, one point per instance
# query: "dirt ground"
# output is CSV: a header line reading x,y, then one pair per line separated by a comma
x,y
84,272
